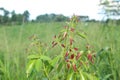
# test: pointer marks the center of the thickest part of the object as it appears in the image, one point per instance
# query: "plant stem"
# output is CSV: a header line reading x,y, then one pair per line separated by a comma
x,y
46,72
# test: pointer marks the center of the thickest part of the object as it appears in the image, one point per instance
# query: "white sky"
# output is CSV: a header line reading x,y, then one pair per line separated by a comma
x,y
65,7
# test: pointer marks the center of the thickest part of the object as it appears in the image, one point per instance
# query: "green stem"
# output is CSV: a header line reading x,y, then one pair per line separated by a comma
x,y
46,72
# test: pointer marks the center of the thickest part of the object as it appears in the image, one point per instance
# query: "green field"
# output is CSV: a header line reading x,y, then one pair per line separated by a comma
x,y
14,40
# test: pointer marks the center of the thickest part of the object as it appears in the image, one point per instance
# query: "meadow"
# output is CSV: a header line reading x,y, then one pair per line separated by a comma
x,y
14,41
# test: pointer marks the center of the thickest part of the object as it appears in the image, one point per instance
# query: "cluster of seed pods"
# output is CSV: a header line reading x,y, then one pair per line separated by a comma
x,y
72,54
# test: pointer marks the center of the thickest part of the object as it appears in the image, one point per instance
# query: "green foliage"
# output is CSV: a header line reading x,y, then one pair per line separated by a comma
x,y
72,63
110,7
51,18
15,18
15,57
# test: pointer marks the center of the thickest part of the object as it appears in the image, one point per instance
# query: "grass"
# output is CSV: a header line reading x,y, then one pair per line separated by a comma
x,y
15,39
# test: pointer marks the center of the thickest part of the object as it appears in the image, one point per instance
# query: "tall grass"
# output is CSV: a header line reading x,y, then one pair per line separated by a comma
x,y
15,39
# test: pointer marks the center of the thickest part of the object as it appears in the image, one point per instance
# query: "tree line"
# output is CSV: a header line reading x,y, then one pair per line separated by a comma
x,y
13,18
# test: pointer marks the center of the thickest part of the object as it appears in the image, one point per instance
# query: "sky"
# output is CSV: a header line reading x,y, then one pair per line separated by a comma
x,y
65,7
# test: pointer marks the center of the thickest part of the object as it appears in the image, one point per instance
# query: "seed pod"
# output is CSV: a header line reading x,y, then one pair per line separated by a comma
x,y
78,56
63,45
67,60
76,49
74,67
89,56
68,65
54,44
71,41
72,29
72,56
64,35
66,54
54,37
81,63
65,27
70,50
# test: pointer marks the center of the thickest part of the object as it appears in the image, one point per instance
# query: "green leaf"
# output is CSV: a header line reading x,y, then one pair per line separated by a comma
x,y
33,56
55,60
107,76
1,64
82,75
30,67
38,64
89,76
45,58
60,65
2,70
81,35
99,52
70,76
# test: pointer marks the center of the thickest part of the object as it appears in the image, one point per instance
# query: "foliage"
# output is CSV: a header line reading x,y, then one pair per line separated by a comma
x,y
24,17
15,39
110,7
51,18
15,18
71,63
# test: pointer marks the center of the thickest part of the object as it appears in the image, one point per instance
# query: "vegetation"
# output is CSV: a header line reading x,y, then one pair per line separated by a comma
x,y
111,8
101,40
13,18
47,48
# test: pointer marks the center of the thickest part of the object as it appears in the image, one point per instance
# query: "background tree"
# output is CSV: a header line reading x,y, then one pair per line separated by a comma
x,y
1,16
51,18
13,16
5,17
43,18
19,19
60,18
26,15
111,8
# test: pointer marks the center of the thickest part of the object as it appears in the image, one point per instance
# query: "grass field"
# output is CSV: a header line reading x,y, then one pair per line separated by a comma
x,y
15,39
